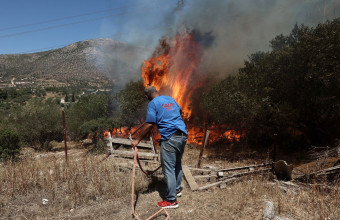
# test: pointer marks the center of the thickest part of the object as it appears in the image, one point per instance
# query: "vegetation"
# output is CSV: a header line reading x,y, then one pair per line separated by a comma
x,y
39,122
292,90
35,114
95,129
132,104
87,188
94,114
88,108
9,144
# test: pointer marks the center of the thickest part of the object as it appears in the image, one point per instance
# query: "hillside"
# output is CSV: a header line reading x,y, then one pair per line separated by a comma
x,y
96,62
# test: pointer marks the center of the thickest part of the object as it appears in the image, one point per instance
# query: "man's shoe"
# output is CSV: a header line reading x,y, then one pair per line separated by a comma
x,y
179,193
168,205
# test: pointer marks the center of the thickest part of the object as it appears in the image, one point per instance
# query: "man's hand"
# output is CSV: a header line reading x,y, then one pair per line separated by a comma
x,y
144,130
134,143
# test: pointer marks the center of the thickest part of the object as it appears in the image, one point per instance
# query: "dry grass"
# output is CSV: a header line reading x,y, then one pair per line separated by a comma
x,y
67,186
88,189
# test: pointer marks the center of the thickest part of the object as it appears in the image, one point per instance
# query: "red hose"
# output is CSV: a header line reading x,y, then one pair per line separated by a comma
x,y
133,190
148,173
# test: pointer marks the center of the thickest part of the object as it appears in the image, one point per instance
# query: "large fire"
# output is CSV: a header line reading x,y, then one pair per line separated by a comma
x,y
174,70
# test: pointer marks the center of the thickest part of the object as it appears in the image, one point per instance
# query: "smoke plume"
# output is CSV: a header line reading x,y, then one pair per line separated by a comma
x,y
238,28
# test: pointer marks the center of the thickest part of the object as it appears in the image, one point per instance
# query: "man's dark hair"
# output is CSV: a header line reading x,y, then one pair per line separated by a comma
x,y
149,90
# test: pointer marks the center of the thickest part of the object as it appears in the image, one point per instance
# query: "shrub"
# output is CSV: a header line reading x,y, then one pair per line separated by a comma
x,y
40,122
9,144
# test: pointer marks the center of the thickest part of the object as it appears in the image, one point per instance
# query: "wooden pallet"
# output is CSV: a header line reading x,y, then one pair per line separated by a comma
x,y
146,149
331,174
127,142
201,179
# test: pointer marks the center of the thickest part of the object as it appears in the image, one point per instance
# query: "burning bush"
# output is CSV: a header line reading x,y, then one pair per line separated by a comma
x,y
292,91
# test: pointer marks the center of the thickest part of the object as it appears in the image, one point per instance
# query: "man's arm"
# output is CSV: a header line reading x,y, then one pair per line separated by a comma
x,y
144,130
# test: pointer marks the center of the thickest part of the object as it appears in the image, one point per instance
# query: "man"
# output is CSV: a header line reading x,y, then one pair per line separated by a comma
x,y
166,114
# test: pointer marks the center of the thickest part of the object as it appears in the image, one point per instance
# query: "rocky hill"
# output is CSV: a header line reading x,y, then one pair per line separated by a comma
x,y
97,62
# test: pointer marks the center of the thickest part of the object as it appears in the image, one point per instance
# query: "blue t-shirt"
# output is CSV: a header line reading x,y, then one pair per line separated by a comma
x,y
165,113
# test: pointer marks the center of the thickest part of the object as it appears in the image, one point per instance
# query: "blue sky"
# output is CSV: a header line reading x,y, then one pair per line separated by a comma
x,y
36,25
239,27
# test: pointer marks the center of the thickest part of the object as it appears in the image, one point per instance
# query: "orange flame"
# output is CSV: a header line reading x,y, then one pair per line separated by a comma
x,y
174,70
122,132
232,135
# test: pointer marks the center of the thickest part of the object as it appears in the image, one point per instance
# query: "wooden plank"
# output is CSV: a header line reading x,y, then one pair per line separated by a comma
x,y
206,136
213,179
128,142
191,181
216,184
245,167
141,155
247,173
110,142
204,176
199,171
330,169
152,145
327,171
124,159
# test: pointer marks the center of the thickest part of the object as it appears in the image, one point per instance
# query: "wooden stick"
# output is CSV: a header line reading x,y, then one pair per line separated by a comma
x,y
153,146
191,181
206,136
204,176
200,169
65,142
327,171
127,142
245,167
216,184
130,154
246,173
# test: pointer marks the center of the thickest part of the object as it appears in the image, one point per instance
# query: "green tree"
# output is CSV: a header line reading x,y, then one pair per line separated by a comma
x,y
66,98
95,129
39,123
88,108
292,90
233,107
131,104
73,98
3,94
9,144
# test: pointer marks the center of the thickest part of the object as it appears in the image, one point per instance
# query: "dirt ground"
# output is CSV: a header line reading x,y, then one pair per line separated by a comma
x,y
242,199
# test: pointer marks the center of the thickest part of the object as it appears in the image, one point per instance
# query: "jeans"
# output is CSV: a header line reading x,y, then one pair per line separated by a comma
x,y
171,158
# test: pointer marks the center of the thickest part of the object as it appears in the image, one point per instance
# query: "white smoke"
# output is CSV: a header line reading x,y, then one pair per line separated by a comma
x,y
239,28
244,27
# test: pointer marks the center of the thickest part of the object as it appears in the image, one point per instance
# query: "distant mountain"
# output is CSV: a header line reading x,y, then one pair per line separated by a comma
x,y
96,62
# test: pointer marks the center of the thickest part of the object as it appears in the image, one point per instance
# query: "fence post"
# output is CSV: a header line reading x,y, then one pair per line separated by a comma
x,y
65,142
205,140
